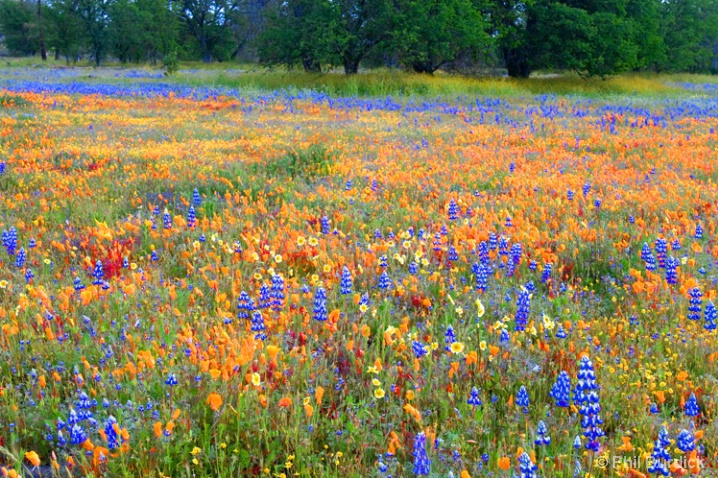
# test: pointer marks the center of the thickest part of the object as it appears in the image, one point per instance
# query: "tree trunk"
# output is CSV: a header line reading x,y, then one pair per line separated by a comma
x,y
517,63
43,51
204,47
351,65
311,65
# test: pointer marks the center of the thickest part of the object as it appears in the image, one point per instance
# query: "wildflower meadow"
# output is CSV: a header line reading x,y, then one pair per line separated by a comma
x,y
207,281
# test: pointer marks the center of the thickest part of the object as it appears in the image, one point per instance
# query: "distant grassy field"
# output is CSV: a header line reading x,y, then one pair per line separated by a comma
x,y
382,82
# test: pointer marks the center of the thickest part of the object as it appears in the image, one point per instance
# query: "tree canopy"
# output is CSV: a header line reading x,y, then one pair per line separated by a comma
x,y
590,37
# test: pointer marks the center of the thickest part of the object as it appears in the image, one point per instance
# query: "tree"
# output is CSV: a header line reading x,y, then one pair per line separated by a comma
x,y
210,22
127,31
509,20
301,32
690,29
332,32
432,33
645,16
161,26
95,17
17,24
66,29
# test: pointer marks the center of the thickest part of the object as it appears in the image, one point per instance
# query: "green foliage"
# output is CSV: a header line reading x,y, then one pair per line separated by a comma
x,y
592,43
307,164
430,34
589,37
690,29
12,101
67,33
171,63
16,24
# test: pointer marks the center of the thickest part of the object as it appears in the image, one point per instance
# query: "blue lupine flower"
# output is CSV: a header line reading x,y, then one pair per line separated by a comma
x,y
588,401
125,263
650,262
113,438
32,244
691,406
660,456
542,437
171,380
29,274
78,436
167,220
686,441
154,256
586,189
671,266
20,260
484,252
413,268
437,242
77,284
449,337
453,210
578,469
523,308
196,198
453,255
346,281
654,408
482,277
422,464
522,399
243,305
320,305
577,442
474,399
504,246
191,217
419,349
517,251
546,273
508,222
258,325
277,292
98,274
264,297
9,240
569,195
561,390
711,314
324,224
560,333
661,249
526,466
493,241
384,281
645,251
676,245
699,231
696,303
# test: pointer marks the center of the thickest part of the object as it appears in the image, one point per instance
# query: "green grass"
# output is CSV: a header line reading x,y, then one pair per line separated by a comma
x,y
386,82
